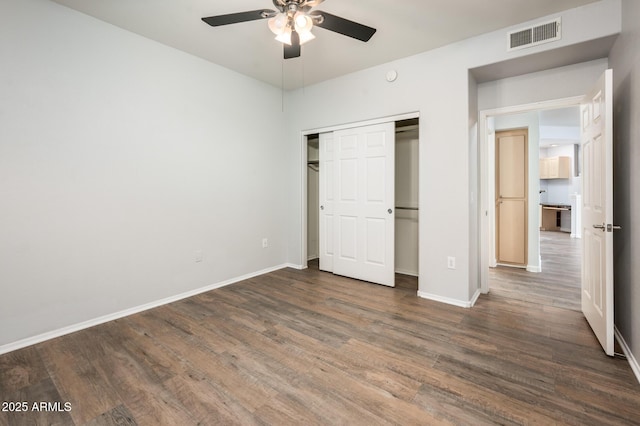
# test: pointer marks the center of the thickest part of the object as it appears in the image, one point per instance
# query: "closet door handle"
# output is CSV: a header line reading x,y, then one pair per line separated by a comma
x,y
321,207
389,211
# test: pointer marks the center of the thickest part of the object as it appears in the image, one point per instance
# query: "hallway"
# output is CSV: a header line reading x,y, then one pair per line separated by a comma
x,y
559,282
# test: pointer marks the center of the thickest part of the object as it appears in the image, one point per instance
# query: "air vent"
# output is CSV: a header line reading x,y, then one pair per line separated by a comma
x,y
533,36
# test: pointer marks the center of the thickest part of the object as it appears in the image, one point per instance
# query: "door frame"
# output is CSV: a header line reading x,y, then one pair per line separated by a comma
x,y
303,168
487,225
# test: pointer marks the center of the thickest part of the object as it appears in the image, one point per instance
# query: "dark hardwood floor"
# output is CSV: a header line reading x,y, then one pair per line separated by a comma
x,y
559,282
308,347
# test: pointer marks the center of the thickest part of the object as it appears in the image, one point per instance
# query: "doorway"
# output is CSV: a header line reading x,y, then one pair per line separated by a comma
x,y
404,206
596,225
513,116
552,275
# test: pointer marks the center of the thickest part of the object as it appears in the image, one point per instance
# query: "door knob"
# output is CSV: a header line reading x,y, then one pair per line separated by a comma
x,y
601,227
321,207
389,211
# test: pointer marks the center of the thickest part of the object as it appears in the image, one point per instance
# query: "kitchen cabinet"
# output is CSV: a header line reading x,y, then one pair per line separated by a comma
x,y
555,168
552,217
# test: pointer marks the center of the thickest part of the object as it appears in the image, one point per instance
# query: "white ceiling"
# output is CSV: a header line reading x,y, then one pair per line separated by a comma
x,y
404,27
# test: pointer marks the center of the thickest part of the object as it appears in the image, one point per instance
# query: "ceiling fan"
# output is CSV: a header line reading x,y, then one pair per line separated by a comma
x,y
292,23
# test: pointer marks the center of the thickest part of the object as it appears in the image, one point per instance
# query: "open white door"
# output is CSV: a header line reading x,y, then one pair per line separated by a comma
x,y
364,223
597,210
326,190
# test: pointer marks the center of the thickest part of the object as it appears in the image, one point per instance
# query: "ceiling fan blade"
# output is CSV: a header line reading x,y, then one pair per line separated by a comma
x,y
234,18
312,3
344,26
292,51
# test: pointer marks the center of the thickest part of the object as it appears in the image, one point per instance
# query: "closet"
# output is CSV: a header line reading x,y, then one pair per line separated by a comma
x,y
332,183
406,182
313,195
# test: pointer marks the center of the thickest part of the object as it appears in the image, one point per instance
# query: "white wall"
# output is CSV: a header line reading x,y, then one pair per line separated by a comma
x,y
436,84
545,85
625,61
119,159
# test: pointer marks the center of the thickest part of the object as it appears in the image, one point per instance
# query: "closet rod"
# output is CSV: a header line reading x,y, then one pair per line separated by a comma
x,y
407,208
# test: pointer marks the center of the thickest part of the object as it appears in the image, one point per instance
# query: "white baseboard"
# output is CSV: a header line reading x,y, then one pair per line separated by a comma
x,y
534,268
475,297
9,347
294,266
447,300
405,272
508,265
635,367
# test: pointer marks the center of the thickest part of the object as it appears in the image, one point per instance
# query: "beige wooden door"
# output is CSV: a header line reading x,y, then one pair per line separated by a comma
x,y
511,197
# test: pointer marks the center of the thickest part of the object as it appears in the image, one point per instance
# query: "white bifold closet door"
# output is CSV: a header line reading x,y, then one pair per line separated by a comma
x,y
326,190
357,199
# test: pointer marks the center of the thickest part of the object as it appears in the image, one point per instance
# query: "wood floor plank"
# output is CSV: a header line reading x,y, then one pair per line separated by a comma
x,y
220,405
68,362
476,404
372,364
137,382
366,396
118,416
308,347
559,282
19,369
45,406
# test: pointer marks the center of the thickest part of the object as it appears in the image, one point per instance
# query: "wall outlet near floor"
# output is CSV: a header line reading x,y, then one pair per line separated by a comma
x,y
451,262
198,256
265,243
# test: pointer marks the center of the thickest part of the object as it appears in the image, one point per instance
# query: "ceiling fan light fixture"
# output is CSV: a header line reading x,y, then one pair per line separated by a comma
x,y
284,37
292,22
278,24
305,36
303,22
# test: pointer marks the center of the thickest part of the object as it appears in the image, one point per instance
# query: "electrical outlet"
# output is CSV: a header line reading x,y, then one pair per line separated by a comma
x,y
451,262
197,256
265,243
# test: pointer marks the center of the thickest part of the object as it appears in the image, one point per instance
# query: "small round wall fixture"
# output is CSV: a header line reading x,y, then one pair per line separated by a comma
x,y
392,75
